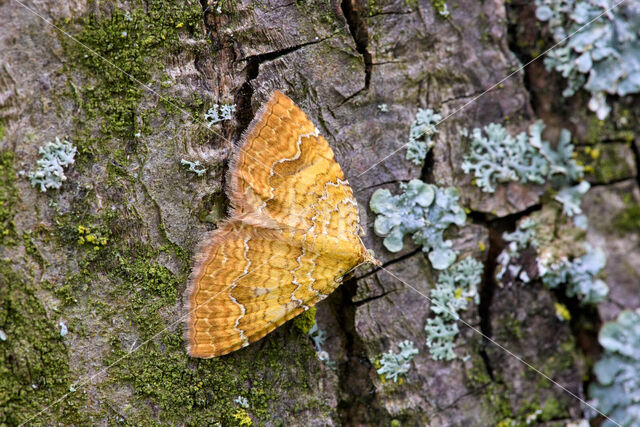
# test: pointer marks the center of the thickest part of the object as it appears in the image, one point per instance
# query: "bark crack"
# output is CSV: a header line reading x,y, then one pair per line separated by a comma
x,y
388,263
353,11
358,404
373,298
252,70
496,227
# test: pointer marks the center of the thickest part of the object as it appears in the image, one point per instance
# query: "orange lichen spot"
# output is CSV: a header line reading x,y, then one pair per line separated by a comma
x,y
292,235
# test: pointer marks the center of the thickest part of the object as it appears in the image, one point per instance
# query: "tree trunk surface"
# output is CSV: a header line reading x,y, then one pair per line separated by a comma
x,y
107,255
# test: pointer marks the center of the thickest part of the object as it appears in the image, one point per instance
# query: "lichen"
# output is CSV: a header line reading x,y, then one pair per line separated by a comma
x,y
578,275
440,6
422,130
395,365
571,198
423,210
318,336
219,113
600,56
523,237
194,167
617,390
456,288
498,158
54,157
562,312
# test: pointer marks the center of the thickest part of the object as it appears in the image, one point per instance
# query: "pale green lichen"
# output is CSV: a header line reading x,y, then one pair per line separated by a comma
x,y
440,337
194,167
422,210
617,390
440,6
422,131
597,46
219,113
394,365
499,158
579,276
571,198
54,157
318,336
456,288
523,237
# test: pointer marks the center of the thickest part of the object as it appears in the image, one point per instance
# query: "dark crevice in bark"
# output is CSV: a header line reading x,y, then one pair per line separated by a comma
x,y
496,227
354,13
244,95
270,56
388,263
380,184
373,298
358,404
426,174
486,219
242,99
518,15
635,149
487,289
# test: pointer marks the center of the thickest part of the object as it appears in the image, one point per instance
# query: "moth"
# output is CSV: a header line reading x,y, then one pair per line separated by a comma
x,y
293,233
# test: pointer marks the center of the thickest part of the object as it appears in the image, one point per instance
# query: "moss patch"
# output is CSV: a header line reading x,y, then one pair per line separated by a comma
x,y
628,221
199,392
127,47
8,198
34,369
305,321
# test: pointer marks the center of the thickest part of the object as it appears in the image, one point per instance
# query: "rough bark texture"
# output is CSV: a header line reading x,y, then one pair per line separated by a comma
x,y
123,360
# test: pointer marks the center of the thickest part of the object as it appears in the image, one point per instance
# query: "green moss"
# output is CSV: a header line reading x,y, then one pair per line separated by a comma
x,y
8,197
168,386
513,327
305,321
600,130
197,392
552,409
628,221
34,367
126,48
132,286
147,287
604,163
